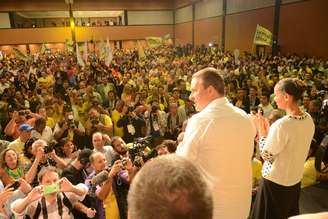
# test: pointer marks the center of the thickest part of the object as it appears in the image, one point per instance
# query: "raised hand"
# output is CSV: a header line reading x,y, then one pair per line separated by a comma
x,y
35,194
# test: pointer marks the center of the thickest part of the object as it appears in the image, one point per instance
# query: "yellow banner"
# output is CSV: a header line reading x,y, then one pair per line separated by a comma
x,y
154,42
262,36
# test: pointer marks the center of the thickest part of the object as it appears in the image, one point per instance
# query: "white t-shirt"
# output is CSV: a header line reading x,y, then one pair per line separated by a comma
x,y
286,148
220,141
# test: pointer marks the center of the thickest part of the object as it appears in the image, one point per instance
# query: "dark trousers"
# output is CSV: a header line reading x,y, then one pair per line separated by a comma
x,y
274,201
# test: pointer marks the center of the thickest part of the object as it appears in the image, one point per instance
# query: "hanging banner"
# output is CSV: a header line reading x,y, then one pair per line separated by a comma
x,y
262,36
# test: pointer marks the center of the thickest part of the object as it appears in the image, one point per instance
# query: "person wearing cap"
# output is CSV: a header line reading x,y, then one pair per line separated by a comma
x,y
76,173
25,134
18,118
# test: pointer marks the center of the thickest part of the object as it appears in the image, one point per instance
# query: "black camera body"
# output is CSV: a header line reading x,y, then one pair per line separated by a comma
x,y
48,149
71,123
138,148
94,121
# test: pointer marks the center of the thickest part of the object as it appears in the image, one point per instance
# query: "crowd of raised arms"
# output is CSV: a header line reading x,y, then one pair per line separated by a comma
x,y
60,122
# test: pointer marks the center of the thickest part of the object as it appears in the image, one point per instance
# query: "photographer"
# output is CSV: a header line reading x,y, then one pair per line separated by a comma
x,y
18,118
116,188
156,121
42,131
54,197
99,164
18,189
43,155
76,173
71,129
98,123
131,123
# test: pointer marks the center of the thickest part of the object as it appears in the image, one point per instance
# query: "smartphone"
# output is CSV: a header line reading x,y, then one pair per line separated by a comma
x,y
49,189
15,185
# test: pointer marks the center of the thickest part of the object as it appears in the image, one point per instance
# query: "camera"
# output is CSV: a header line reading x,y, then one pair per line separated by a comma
x,y
260,111
15,185
48,149
154,109
130,109
137,151
49,189
94,121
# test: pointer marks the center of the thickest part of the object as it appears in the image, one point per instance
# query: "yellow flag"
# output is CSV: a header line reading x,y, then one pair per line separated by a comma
x,y
141,52
262,36
154,42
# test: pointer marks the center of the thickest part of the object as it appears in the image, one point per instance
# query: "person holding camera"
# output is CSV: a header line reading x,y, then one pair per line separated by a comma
x,y
43,155
17,189
71,129
114,189
76,173
42,131
155,120
18,118
98,123
132,124
53,198
100,167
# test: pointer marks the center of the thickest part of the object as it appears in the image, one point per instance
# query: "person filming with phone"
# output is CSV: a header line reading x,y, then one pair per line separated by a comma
x,y
53,198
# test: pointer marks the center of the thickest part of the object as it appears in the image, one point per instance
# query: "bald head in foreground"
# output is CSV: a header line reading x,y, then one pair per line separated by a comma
x,y
169,187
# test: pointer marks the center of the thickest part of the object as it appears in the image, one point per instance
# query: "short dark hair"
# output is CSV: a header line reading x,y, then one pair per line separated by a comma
x,y
169,187
211,77
292,86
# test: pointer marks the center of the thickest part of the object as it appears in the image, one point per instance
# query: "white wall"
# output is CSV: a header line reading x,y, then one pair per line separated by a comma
x,y
150,17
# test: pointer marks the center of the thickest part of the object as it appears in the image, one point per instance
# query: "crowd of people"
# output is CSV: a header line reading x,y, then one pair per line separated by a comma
x,y
73,138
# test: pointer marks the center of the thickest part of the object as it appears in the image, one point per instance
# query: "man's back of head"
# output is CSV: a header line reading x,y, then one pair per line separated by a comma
x,y
169,187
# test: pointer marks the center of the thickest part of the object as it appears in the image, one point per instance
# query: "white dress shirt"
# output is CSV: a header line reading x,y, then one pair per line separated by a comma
x,y
220,141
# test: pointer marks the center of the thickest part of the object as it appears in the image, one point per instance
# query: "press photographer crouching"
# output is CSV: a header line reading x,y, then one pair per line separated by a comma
x,y
53,198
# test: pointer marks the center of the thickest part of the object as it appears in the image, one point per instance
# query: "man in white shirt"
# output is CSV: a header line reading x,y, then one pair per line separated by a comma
x,y
220,141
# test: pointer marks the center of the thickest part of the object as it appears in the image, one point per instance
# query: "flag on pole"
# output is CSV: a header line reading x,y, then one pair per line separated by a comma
x,y
109,54
85,52
141,52
78,56
20,55
154,42
262,36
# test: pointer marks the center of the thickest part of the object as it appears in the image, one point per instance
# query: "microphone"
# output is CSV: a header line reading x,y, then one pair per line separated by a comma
x,y
324,142
99,178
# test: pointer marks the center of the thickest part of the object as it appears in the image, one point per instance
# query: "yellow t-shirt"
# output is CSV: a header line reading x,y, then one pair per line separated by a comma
x,y
309,174
256,170
111,207
47,81
115,117
50,122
